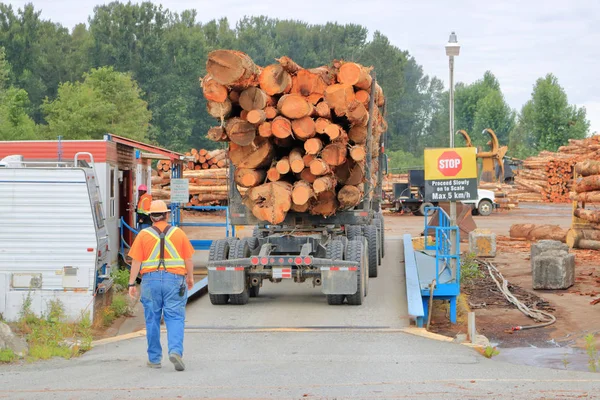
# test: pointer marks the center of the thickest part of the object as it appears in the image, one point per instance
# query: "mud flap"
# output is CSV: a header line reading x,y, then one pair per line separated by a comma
x,y
226,280
339,280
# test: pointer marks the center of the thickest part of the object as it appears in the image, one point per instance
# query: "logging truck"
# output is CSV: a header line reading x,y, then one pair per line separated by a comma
x,y
306,151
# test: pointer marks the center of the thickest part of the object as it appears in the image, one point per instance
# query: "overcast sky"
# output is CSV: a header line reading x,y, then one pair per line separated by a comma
x,y
519,41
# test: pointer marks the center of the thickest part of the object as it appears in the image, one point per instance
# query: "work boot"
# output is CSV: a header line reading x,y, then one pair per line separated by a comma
x,y
153,365
177,361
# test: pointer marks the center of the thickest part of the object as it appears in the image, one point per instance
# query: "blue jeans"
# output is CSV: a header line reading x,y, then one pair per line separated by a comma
x,y
160,296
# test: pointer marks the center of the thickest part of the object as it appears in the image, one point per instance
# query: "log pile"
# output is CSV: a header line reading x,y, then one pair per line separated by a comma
x,y
505,195
548,177
297,136
205,159
388,186
585,232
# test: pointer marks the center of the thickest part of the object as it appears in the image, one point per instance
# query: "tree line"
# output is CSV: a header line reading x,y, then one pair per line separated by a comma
x,y
133,70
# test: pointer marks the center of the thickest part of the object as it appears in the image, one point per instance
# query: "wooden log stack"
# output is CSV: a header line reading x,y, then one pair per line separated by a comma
x,y
505,195
297,136
548,177
585,231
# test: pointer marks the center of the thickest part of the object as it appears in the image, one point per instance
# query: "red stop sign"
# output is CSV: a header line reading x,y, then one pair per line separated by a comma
x,y
450,163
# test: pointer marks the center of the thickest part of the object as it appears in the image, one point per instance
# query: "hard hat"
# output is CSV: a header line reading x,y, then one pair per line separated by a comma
x,y
158,207
143,187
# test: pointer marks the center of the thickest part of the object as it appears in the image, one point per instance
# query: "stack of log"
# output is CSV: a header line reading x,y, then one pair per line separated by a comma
x,y
205,159
548,177
297,136
505,195
585,234
388,185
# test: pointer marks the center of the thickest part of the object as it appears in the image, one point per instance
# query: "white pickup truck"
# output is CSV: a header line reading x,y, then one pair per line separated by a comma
x,y
484,205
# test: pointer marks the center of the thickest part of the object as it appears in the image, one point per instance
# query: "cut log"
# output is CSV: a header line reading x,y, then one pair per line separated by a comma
x,y
338,97
222,163
271,112
349,196
217,134
304,128
313,146
321,124
213,90
234,96
253,99
587,184
300,208
358,152
274,79
281,127
256,117
307,158
357,174
588,168
324,183
222,174
232,68
283,165
325,204
296,161
302,192
586,197
273,175
575,236
334,131
244,115
334,154
219,110
379,97
588,215
256,155
202,152
355,74
240,132
358,134
270,202
311,84
307,176
322,110
357,114
288,64
249,177
538,232
319,167
363,96
294,106
264,129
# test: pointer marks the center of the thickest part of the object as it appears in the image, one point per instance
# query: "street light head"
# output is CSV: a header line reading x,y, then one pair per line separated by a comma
x,y
452,47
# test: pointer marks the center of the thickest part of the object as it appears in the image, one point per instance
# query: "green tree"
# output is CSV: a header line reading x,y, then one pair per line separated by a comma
x,y
547,121
105,102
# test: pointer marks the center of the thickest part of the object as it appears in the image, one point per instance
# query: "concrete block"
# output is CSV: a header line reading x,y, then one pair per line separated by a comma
x,y
554,269
546,245
482,242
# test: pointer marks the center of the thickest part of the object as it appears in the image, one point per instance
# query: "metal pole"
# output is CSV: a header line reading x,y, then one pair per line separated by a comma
x,y
452,203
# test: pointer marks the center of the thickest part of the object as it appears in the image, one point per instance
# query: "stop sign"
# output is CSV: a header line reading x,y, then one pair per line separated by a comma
x,y
450,163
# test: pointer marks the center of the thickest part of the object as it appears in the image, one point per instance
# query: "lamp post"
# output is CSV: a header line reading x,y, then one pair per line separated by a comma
x,y
452,50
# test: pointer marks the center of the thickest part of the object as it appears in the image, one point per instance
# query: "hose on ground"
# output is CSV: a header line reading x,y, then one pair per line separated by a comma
x,y
544,317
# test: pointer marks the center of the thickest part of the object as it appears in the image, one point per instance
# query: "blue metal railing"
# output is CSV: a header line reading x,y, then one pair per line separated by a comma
x,y
443,243
204,244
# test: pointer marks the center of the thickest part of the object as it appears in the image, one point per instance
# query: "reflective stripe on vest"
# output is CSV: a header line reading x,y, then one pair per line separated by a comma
x,y
153,261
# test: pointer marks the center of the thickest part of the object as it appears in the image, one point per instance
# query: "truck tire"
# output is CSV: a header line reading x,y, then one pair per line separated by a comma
x,y
371,235
219,250
380,222
257,233
335,251
485,208
354,252
422,209
240,250
378,242
353,232
365,262
252,242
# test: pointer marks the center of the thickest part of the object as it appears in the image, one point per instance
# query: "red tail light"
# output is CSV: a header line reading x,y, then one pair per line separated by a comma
x,y
264,261
254,260
308,260
298,260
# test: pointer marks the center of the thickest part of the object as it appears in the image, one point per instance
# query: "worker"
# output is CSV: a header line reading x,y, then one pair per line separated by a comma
x,y
145,199
163,256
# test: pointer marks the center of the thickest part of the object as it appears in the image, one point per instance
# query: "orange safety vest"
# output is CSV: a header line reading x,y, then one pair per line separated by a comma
x,y
144,204
164,253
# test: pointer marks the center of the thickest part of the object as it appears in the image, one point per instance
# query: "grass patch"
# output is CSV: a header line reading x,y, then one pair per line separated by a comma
x,y
120,278
7,356
592,352
51,335
469,269
118,308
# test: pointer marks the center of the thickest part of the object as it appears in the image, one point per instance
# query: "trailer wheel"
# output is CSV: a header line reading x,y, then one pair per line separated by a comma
x,y
371,235
257,233
354,252
422,209
240,250
365,262
380,222
335,251
252,242
379,242
353,232
219,250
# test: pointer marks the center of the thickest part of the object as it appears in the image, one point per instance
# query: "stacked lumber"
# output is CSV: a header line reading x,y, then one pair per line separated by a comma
x,y
297,136
548,176
388,185
205,159
506,195
586,192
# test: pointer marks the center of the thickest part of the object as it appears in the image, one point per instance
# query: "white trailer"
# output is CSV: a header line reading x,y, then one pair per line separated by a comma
x,y
53,238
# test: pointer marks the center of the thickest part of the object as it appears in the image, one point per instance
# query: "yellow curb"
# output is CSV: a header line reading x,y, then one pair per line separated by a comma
x,y
119,338
422,332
